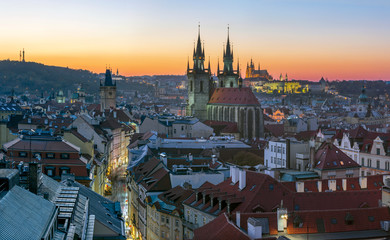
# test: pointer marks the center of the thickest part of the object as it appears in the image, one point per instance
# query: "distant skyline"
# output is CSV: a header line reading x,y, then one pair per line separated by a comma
x,y
307,39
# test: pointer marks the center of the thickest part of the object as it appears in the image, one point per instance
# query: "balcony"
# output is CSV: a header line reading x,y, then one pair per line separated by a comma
x,y
190,225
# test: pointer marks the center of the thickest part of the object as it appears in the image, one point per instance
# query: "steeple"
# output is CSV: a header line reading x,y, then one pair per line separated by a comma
x,y
259,66
238,67
209,68
108,79
23,55
188,64
228,57
20,56
218,67
198,55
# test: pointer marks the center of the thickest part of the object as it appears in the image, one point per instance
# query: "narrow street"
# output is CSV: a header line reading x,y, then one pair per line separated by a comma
x,y
119,190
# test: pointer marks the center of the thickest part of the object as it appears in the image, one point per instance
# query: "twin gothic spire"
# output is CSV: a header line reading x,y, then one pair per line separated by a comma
x,y
199,57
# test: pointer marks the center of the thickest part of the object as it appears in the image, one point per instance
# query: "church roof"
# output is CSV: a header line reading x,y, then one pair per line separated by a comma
x,y
233,96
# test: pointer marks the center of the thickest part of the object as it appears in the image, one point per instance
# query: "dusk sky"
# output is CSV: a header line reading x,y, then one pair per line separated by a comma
x,y
307,39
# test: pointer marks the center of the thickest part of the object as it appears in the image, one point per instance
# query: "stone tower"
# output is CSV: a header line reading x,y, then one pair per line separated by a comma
x,y
200,85
107,92
228,77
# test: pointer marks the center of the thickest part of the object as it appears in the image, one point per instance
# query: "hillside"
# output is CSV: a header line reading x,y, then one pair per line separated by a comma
x,y
33,76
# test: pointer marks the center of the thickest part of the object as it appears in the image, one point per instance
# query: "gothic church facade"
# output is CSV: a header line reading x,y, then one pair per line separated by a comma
x,y
226,101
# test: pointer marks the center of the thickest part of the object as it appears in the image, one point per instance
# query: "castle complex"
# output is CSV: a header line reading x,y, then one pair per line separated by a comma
x,y
225,101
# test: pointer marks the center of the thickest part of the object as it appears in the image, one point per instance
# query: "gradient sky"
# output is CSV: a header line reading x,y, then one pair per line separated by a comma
x,y
307,39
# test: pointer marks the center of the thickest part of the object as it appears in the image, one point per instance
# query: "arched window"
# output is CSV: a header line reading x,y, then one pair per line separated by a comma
x,y
191,86
201,86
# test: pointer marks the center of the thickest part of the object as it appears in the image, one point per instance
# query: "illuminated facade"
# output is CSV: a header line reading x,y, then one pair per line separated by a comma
x,y
252,73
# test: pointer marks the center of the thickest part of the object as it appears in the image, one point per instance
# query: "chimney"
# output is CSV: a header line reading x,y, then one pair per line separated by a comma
x,y
363,182
234,174
33,177
319,186
344,184
300,186
214,158
163,158
242,179
238,219
255,230
332,185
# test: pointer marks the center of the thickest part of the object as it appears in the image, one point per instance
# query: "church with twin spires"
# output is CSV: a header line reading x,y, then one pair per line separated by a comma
x,y
224,101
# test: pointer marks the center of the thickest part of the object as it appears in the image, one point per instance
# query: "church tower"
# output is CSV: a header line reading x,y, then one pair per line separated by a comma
x,y
228,77
107,92
200,84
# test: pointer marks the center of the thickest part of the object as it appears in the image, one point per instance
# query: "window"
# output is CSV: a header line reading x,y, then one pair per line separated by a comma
x,y
64,170
182,128
378,164
371,218
167,220
201,86
22,154
65,155
272,148
162,219
378,151
174,130
50,155
177,223
191,86
362,161
333,221
204,221
50,171
272,159
162,234
387,166
231,84
369,162
196,219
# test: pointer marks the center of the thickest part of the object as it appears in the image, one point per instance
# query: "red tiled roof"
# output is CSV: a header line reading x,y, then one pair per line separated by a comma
x,y
335,220
234,96
222,127
219,229
336,200
276,130
329,157
42,146
157,181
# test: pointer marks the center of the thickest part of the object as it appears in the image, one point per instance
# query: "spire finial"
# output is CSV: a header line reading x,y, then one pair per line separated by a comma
x,y
218,66
209,65
188,63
